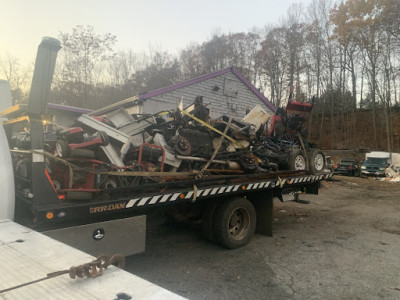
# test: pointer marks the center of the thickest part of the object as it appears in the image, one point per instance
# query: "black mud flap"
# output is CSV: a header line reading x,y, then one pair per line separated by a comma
x,y
313,188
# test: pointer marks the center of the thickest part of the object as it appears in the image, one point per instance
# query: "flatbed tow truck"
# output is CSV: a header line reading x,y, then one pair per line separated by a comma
x,y
232,207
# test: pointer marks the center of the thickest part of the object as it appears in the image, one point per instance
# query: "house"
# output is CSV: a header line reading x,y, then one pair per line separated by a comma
x,y
64,115
225,92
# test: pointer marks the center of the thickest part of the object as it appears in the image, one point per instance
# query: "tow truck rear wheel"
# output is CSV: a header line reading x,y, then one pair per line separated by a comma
x,y
234,222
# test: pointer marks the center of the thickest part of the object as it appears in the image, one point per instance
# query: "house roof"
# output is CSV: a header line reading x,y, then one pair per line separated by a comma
x,y
128,102
206,77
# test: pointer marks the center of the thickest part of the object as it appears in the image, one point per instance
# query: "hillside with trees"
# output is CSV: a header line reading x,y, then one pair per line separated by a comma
x,y
345,53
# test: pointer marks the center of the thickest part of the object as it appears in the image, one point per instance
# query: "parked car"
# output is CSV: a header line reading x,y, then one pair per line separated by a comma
x,y
347,166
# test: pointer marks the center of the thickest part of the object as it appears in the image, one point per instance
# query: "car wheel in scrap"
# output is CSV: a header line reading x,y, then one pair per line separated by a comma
x,y
109,183
183,146
297,160
317,161
62,148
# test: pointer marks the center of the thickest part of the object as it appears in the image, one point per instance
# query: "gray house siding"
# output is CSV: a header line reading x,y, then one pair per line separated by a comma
x,y
224,94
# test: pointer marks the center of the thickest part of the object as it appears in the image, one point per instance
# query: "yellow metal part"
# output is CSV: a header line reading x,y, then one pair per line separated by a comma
x,y
12,110
17,120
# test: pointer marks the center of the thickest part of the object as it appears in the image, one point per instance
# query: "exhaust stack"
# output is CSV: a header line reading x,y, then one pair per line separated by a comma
x,y
43,75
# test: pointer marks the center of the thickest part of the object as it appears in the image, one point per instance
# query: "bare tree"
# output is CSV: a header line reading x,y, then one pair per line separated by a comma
x,y
17,76
294,36
273,61
191,61
214,53
162,69
83,50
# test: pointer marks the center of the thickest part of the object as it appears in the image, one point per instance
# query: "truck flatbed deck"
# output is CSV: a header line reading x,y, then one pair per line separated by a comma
x,y
27,256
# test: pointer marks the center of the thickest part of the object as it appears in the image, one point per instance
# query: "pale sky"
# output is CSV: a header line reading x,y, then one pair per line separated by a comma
x,y
170,25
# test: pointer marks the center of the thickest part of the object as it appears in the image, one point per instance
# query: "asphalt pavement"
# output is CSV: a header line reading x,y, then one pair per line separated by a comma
x,y
345,244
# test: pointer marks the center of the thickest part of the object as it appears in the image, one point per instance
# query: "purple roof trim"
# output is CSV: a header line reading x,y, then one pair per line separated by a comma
x,y
182,84
253,89
68,108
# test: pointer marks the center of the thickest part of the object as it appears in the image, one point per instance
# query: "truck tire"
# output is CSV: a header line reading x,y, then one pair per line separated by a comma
x,y
207,222
234,222
297,160
62,148
316,160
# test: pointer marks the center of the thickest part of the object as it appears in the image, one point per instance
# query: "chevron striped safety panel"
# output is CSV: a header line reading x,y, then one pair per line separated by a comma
x,y
194,193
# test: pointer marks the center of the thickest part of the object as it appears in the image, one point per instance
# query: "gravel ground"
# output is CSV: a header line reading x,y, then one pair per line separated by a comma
x,y
343,245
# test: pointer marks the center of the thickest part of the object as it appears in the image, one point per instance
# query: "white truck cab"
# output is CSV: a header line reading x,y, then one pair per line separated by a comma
x,y
7,203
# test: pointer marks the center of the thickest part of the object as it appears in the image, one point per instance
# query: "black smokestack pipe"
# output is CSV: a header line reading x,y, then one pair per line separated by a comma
x,y
41,188
43,75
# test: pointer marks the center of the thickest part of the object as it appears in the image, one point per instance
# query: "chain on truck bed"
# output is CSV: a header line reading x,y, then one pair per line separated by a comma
x,y
91,270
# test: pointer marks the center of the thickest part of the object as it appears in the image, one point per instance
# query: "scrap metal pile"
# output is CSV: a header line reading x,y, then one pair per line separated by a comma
x,y
122,150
